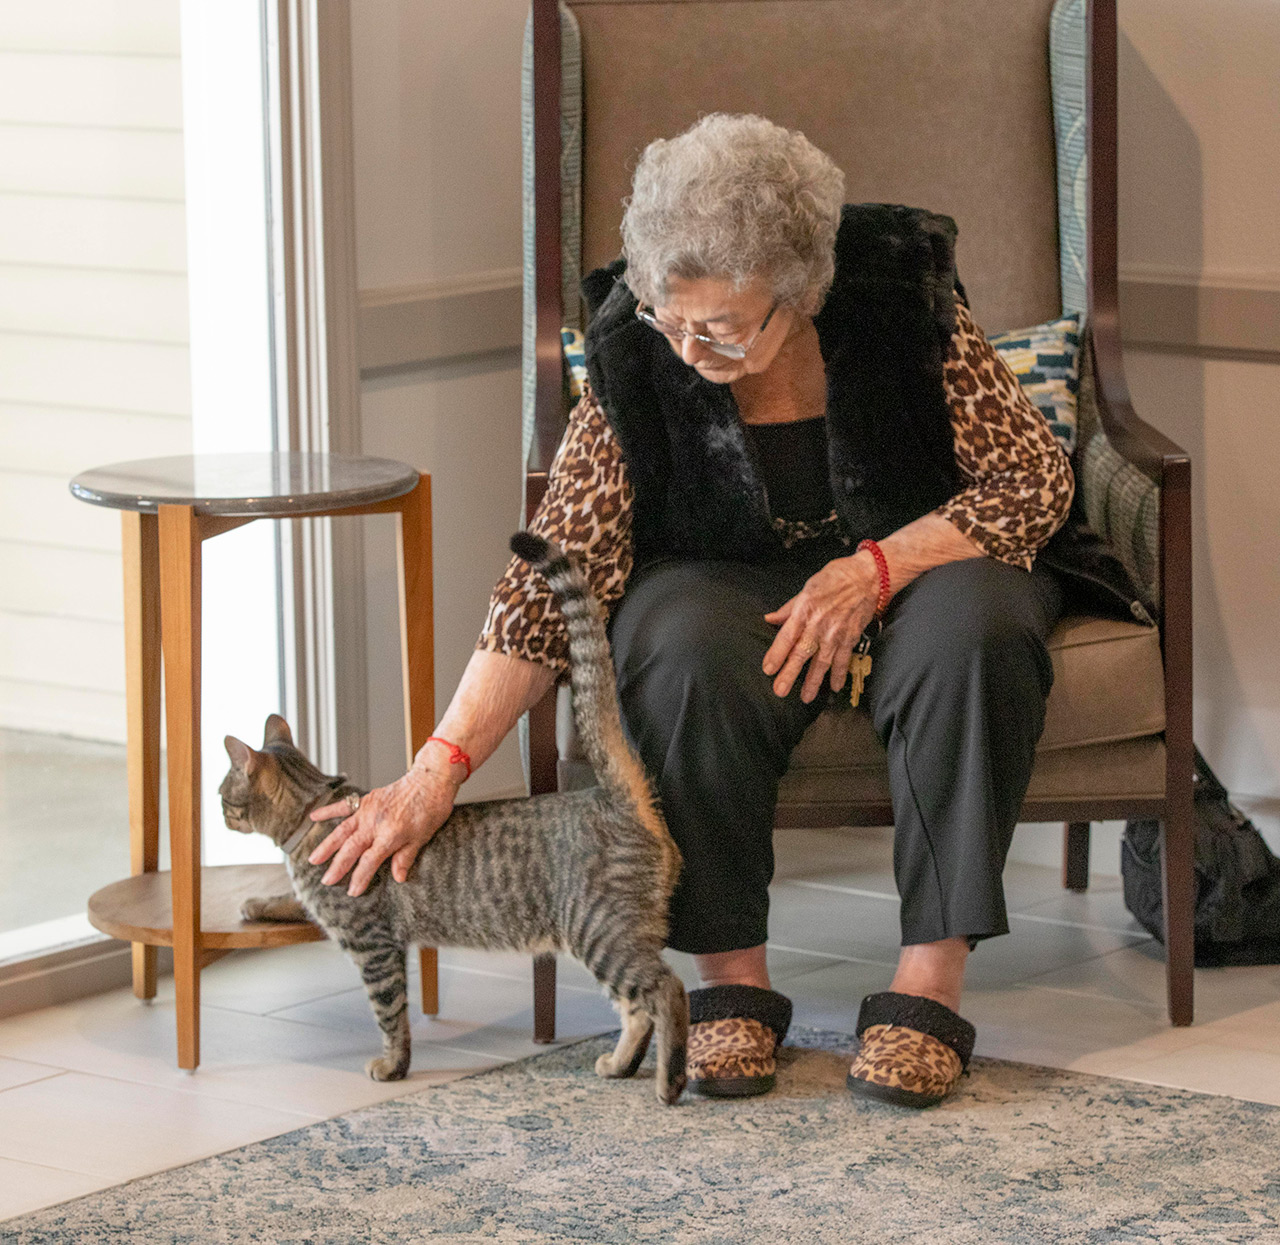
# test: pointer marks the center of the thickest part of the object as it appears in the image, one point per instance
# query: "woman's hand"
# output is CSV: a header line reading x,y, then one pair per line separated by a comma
x,y
396,821
821,624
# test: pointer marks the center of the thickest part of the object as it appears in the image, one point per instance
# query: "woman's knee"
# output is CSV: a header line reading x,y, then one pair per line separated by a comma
x,y
978,619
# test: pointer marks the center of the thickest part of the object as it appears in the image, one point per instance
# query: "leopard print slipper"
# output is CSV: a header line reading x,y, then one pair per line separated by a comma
x,y
734,1035
913,1050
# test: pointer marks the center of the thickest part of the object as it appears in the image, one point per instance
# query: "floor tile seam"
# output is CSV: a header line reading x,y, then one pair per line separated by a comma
x,y
1013,913
1215,1046
547,1048
1100,929
118,1079
253,1138
50,1070
1089,959
839,890
1146,1005
50,1167
828,955
1181,1083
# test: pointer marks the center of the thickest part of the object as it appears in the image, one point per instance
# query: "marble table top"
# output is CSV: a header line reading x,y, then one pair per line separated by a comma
x,y
263,484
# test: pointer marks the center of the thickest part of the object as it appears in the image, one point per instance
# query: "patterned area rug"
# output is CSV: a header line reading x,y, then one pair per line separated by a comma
x,y
543,1151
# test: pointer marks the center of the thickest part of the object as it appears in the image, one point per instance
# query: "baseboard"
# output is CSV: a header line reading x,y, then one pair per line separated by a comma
x,y
91,967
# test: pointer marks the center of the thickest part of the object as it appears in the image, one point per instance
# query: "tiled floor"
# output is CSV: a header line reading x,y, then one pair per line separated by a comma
x,y
89,1095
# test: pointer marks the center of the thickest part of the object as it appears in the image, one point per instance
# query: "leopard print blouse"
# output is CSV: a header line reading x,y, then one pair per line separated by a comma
x,y
1018,491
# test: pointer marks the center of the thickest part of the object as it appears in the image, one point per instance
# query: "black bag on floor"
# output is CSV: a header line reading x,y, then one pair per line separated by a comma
x,y
1237,916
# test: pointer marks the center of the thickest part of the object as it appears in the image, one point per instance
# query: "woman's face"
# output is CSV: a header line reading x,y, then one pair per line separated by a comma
x,y
712,307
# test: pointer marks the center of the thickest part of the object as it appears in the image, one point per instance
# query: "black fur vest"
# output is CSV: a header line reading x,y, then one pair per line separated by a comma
x,y
884,332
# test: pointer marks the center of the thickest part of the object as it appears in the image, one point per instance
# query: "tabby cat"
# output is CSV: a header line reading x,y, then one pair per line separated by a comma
x,y
586,872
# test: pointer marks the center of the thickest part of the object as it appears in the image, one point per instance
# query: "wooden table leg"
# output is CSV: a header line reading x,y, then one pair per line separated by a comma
x,y
140,542
180,563
417,661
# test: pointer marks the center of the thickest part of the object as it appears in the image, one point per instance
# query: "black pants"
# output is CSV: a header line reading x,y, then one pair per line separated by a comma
x,y
956,693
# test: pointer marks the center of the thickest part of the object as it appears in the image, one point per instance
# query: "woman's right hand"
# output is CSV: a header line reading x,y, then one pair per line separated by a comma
x,y
396,821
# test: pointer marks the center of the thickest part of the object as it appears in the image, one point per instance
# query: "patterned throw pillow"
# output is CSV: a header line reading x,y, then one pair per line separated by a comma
x,y
575,358
1043,359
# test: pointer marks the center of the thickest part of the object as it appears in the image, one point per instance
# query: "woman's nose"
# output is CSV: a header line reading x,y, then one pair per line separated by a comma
x,y
692,350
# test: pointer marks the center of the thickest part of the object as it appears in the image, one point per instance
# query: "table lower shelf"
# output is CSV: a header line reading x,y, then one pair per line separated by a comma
x,y
140,909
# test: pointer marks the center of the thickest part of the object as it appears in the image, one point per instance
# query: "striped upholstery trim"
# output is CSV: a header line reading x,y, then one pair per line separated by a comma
x,y
570,202
1067,71
1120,502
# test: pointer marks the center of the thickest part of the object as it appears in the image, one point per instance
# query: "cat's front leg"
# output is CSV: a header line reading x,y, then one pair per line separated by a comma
x,y
273,908
383,971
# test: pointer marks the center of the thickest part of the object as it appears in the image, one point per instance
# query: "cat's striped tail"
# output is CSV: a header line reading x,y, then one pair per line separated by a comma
x,y
595,698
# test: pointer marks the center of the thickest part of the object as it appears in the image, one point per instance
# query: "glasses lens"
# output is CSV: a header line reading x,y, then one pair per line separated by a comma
x,y
730,350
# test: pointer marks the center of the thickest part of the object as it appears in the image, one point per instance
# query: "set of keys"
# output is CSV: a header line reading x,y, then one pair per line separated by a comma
x,y
859,668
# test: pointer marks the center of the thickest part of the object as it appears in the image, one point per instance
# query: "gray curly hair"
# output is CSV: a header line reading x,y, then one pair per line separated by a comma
x,y
734,197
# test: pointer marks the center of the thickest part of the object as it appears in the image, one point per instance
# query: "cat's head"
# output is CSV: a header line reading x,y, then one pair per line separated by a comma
x,y
270,791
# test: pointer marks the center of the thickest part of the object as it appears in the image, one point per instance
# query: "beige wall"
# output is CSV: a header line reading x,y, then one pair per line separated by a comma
x,y
437,136
1200,189
437,114
93,333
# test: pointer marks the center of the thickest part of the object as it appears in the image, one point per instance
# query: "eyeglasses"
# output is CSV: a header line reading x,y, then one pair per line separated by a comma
x,y
730,350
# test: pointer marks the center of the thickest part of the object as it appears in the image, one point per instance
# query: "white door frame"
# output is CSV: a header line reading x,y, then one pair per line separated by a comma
x,y
271,272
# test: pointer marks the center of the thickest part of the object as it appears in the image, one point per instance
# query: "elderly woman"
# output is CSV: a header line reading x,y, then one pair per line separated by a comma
x,y
794,437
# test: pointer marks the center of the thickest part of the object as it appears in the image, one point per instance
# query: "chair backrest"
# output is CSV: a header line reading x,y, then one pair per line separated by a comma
x,y
942,104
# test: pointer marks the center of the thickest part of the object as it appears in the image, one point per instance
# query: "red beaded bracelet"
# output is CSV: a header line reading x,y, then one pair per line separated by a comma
x,y
882,601
456,755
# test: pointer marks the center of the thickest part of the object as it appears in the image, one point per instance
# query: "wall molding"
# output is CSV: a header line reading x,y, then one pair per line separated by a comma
x,y
69,973
1222,315
1216,314
414,326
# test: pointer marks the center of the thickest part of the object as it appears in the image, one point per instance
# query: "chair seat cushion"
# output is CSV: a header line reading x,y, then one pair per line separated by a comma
x,y
1108,688
1108,685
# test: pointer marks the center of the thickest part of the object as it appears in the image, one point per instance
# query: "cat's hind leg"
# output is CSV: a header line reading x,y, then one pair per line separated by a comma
x,y
647,985
669,1006
383,971
627,1056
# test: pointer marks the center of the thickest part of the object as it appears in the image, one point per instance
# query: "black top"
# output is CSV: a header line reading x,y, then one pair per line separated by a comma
x,y
791,461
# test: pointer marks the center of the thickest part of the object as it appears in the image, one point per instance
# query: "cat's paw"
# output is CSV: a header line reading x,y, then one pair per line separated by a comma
x,y
383,1069
253,909
606,1068
669,1093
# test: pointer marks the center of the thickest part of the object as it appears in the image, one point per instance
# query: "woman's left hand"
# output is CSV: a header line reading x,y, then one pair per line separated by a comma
x,y
821,624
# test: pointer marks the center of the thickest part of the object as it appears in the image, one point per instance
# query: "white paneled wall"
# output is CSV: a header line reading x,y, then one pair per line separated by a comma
x,y
93,332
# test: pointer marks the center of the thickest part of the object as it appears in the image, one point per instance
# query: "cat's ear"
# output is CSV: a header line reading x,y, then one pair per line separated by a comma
x,y
242,756
276,731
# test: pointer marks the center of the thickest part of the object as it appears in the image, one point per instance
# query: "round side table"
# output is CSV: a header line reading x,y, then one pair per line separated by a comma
x,y
170,507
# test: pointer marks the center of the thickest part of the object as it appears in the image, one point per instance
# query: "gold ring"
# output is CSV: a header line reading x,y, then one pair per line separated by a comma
x,y
809,647
353,800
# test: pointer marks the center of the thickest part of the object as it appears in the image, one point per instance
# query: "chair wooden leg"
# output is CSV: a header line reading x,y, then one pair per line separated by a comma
x,y
544,997
1178,860
1075,856
141,547
1178,836
429,964
417,638
180,564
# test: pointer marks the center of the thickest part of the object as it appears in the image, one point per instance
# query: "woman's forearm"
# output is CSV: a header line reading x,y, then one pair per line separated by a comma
x,y
921,545
494,691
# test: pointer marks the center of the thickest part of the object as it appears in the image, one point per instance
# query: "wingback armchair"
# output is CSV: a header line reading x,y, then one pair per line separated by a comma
x,y
949,105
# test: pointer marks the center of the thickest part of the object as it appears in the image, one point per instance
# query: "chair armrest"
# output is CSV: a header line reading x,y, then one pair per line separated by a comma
x,y
1135,440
